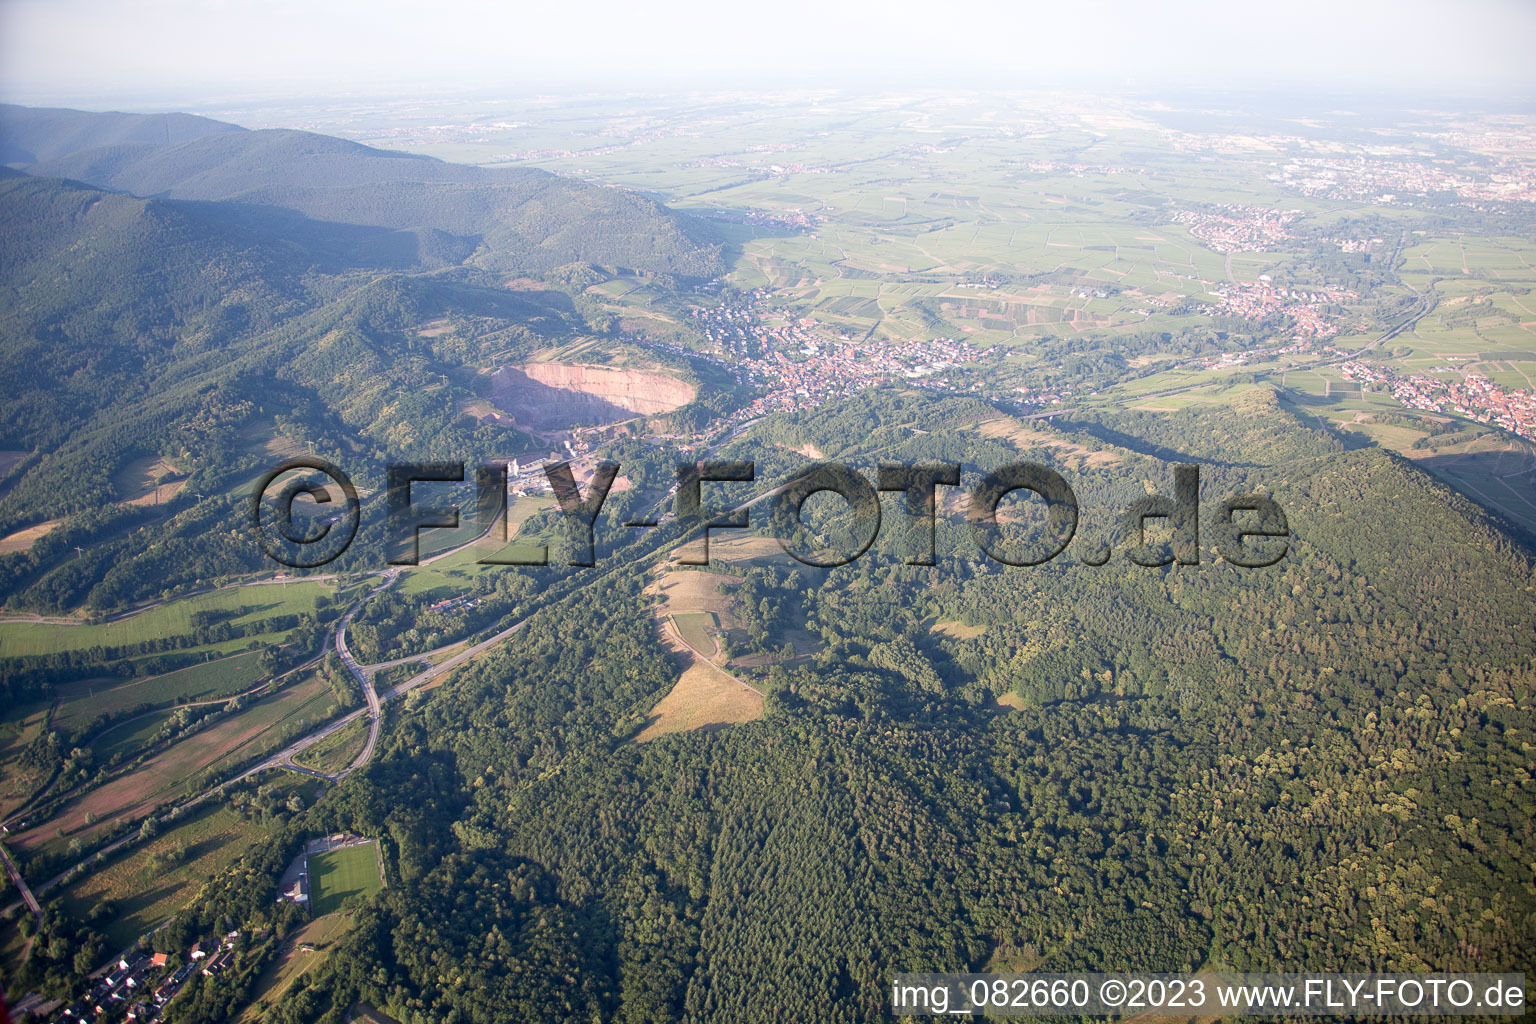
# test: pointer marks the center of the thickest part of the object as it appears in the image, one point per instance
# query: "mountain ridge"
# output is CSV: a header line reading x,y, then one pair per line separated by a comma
x,y
502,219
34,134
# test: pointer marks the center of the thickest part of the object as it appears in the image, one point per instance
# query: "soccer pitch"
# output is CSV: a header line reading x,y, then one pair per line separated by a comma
x,y
337,875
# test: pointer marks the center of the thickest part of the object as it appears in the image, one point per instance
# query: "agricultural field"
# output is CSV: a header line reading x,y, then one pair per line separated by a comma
x,y
954,235
1491,467
175,772
339,875
878,247
1497,471
80,702
237,605
123,739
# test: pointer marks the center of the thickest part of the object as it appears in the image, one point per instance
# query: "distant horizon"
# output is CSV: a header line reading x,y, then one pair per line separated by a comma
x,y
1254,100
184,54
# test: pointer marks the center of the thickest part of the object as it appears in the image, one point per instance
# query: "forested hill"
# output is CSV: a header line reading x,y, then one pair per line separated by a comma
x,y
104,290
1197,766
506,219
147,328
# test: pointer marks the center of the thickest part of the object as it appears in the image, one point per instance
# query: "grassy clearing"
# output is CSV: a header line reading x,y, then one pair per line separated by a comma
x,y
184,858
12,946
148,481
142,474
699,607
305,950
749,549
20,726
452,573
22,540
1011,701
367,1013
703,698
691,591
697,631
338,750
957,630
338,875
1025,437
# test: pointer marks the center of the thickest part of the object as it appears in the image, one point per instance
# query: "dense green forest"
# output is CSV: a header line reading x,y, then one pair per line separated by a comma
x,y
157,328
1318,765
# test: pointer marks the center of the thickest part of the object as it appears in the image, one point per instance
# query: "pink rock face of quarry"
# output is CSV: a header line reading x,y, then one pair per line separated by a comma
x,y
551,396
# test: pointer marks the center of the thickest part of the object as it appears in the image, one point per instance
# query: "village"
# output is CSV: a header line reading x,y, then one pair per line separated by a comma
x,y
1475,397
140,982
1232,228
138,985
803,363
1307,311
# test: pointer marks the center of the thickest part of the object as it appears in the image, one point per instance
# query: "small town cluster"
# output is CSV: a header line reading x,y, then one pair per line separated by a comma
x,y
1306,310
139,985
1475,396
803,364
1075,169
1231,228
1357,178
781,220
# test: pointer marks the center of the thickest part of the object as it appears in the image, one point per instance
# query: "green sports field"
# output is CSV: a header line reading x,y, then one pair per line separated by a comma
x,y
340,874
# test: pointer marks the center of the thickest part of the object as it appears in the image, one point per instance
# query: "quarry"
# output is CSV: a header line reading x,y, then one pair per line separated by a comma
x,y
556,396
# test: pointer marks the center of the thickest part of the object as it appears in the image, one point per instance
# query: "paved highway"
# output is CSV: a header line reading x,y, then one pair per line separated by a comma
x,y
364,678
283,759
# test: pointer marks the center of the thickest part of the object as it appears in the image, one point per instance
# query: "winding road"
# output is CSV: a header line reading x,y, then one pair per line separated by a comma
x,y
363,676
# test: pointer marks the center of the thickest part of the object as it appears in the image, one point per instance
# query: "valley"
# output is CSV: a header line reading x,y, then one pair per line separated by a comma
x,y
659,783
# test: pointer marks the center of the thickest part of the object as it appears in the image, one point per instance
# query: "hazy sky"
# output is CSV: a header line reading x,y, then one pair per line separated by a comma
x,y
190,52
